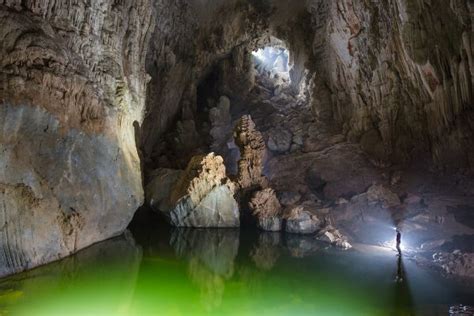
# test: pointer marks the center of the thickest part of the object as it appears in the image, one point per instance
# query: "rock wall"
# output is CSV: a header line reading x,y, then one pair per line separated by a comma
x,y
398,75
72,91
395,76
190,39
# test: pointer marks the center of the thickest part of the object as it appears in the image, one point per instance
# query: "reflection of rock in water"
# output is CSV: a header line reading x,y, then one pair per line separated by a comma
x,y
267,251
216,249
211,255
210,284
302,245
112,266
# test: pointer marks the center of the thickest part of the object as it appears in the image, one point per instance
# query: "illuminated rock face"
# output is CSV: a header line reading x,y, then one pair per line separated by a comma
x,y
72,87
202,196
252,152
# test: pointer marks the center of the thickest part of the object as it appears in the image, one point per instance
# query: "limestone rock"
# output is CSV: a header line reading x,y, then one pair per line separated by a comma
x,y
252,152
279,140
334,237
72,94
456,263
220,115
221,133
299,221
266,209
380,194
289,198
159,188
203,196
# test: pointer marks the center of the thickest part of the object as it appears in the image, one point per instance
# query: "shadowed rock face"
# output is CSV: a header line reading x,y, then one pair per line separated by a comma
x,y
404,68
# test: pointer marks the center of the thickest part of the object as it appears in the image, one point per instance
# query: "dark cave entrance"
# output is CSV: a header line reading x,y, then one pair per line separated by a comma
x,y
207,90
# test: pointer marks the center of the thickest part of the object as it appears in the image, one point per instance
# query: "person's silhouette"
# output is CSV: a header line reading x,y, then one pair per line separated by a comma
x,y
399,241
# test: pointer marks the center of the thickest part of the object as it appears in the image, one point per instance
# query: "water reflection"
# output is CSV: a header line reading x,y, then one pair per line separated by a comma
x,y
403,296
267,250
107,269
227,272
211,255
300,246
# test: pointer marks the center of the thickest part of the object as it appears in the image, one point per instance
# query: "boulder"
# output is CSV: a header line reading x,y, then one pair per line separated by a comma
x,y
279,140
270,224
299,221
379,194
334,237
202,196
266,209
455,263
289,198
159,188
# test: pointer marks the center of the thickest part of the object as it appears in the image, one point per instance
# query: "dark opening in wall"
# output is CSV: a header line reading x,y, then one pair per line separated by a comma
x,y
207,89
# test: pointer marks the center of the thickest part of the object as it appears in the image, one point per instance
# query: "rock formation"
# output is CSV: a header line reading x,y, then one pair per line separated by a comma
x,y
380,194
266,209
300,221
72,93
415,62
455,263
252,153
158,189
202,196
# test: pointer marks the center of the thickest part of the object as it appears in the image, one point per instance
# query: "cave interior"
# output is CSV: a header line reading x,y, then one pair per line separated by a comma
x,y
233,151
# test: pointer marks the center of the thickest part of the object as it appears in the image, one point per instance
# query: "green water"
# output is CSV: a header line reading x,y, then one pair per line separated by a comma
x,y
226,272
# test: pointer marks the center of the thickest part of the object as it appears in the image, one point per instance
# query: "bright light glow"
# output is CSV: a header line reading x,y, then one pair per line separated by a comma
x,y
273,59
393,244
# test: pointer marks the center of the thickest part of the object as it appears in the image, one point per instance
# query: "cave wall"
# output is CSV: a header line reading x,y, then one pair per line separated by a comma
x,y
399,76
189,41
72,93
395,76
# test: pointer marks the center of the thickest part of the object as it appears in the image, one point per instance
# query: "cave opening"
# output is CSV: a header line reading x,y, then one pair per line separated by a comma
x,y
274,60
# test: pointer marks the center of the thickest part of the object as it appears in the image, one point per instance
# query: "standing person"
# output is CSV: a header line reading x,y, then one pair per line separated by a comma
x,y
399,241
400,274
